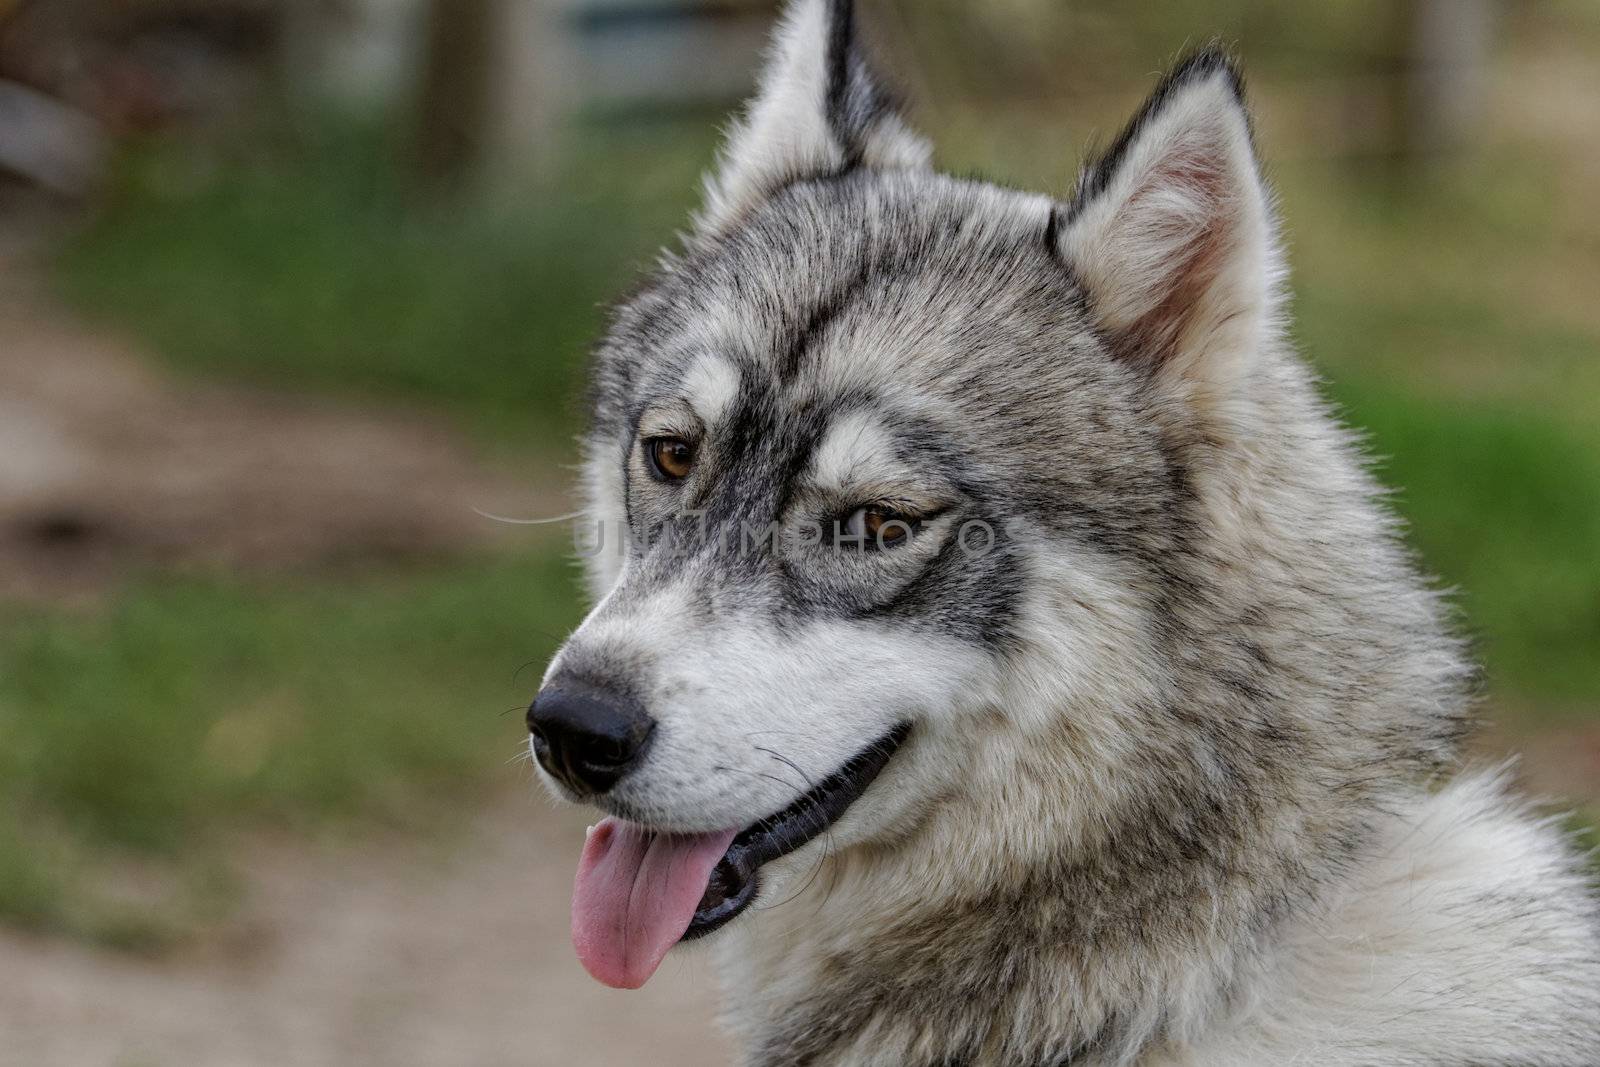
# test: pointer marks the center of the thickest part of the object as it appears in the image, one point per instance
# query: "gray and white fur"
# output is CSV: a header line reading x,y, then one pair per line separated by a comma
x,y
1185,781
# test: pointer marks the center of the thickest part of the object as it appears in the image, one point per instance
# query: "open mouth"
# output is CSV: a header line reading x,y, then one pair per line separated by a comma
x,y
638,893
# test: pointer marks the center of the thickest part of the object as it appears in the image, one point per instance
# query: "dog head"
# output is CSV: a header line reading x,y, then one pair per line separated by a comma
x,y
885,458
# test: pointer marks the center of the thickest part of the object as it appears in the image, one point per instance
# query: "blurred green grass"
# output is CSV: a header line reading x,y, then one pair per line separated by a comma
x,y
135,742
1504,507
195,709
313,265
1461,352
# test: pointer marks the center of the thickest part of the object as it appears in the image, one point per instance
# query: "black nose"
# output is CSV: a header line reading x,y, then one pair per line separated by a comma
x,y
587,736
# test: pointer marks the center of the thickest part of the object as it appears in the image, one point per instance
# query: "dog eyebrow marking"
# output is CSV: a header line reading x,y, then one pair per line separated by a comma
x,y
710,385
857,451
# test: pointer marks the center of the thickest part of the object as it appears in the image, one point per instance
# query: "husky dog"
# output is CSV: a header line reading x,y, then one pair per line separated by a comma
x,y
1007,658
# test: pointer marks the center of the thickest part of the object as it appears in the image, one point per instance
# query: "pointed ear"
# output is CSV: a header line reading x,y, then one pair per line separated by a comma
x,y
818,111
1171,231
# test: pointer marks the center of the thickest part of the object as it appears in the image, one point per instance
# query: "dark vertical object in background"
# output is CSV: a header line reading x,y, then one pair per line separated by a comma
x,y
1447,72
456,110
1442,53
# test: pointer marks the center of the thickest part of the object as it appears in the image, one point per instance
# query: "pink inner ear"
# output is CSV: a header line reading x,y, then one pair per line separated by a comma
x,y
1192,220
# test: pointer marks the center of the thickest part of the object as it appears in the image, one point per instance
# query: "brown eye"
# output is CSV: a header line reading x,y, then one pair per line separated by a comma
x,y
671,458
878,526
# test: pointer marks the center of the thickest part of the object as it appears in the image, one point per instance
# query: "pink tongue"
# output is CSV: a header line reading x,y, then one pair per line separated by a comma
x,y
635,895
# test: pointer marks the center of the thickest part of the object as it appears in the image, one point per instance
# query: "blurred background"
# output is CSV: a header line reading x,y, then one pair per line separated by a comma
x,y
291,291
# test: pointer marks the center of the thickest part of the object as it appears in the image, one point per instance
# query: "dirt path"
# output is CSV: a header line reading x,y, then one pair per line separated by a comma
x,y
383,957
107,465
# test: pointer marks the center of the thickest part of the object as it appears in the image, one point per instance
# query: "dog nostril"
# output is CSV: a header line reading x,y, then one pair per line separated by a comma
x,y
586,736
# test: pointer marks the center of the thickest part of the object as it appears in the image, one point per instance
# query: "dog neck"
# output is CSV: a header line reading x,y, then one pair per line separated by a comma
x,y
932,952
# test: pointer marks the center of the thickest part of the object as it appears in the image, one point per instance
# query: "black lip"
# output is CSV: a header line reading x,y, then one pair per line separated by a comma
x,y
734,881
